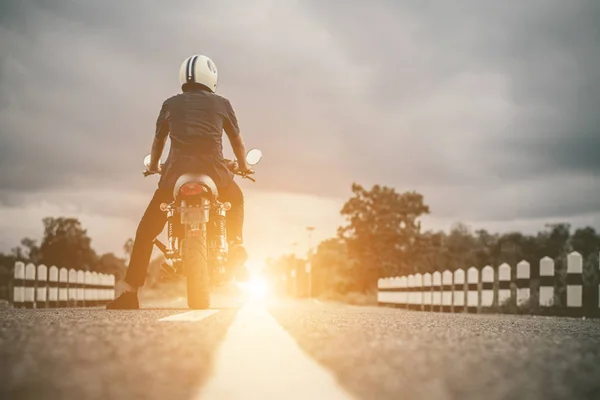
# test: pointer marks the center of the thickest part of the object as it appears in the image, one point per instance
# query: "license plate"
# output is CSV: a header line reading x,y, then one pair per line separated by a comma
x,y
191,216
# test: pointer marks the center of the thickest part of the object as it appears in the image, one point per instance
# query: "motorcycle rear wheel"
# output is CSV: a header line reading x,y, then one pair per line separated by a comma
x,y
195,260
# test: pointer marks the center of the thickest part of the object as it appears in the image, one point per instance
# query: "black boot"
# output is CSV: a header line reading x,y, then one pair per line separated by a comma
x,y
126,301
237,258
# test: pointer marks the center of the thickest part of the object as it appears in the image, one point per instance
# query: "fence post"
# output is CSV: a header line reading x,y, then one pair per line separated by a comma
x,y
574,280
30,271
80,289
72,289
53,286
410,283
393,284
389,283
113,288
419,292
523,283
503,284
427,292
459,290
87,291
487,287
104,283
382,294
19,285
95,290
546,293
63,287
436,291
41,295
99,288
447,291
473,290
403,295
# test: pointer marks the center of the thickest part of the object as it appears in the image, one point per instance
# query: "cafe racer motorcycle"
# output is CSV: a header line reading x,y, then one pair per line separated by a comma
x,y
197,247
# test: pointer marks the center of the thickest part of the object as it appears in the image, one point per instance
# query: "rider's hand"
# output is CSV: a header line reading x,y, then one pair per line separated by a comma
x,y
244,169
151,170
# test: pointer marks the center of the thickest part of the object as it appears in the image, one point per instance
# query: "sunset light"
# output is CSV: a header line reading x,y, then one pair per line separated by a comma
x,y
328,200
256,287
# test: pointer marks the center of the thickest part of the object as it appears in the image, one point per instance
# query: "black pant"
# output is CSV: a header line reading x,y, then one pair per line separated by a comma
x,y
154,220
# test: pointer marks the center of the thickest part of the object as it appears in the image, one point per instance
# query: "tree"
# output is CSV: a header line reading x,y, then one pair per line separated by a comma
x,y
110,264
66,244
7,260
383,231
555,243
7,266
331,268
128,248
30,252
586,241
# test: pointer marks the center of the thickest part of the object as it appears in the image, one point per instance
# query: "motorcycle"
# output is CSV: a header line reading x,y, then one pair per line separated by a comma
x,y
197,247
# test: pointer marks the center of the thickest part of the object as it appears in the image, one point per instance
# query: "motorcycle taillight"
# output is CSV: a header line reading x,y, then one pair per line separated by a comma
x,y
191,189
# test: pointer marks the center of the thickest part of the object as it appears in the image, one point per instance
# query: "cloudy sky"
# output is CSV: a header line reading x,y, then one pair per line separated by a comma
x,y
490,109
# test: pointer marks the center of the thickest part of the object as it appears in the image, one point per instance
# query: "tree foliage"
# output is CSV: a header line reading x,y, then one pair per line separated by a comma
x,y
66,244
382,237
332,268
30,251
383,231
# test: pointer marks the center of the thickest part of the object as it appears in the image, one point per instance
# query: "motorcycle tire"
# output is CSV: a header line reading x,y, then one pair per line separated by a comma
x,y
195,261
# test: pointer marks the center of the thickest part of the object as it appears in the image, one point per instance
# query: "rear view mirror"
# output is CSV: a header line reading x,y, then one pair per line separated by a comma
x,y
253,156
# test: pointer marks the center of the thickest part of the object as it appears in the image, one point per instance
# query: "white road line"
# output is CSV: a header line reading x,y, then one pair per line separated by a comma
x,y
259,360
193,316
179,302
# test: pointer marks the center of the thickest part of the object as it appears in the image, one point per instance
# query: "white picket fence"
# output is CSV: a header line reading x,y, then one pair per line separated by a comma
x,y
43,287
450,292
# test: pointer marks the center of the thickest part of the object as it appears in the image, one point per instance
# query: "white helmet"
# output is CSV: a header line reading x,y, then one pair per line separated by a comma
x,y
199,69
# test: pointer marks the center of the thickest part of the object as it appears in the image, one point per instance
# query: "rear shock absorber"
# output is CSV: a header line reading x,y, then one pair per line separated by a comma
x,y
220,231
221,224
170,233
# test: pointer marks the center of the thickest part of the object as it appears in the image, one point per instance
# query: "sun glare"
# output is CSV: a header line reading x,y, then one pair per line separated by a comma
x,y
255,287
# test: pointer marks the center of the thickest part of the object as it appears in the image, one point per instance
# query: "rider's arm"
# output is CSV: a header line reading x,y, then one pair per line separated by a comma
x,y
239,149
160,137
232,130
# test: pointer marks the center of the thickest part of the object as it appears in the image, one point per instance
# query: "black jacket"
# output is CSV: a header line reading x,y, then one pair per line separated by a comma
x,y
194,121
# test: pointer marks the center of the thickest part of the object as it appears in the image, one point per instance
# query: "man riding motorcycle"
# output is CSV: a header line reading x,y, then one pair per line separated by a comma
x,y
194,120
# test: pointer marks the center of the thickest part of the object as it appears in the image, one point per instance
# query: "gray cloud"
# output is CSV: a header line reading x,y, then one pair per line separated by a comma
x,y
484,107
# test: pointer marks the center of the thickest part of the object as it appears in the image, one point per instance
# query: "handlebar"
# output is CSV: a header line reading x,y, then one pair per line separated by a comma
x,y
231,165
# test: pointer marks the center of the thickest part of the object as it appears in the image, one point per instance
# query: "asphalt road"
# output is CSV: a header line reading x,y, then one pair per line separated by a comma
x,y
294,350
